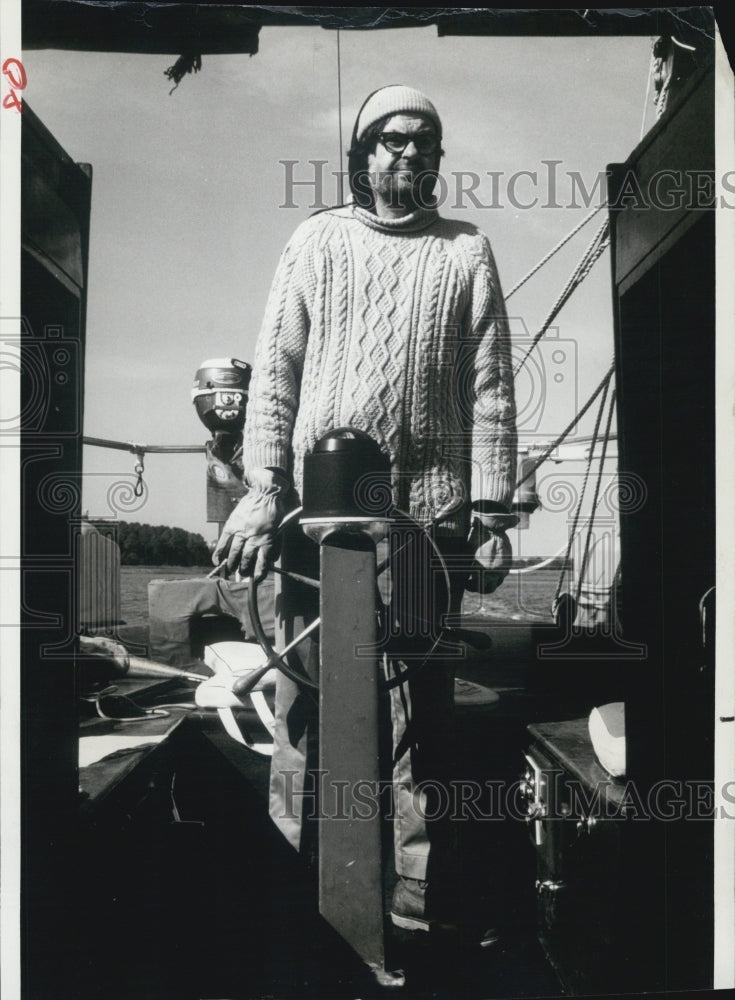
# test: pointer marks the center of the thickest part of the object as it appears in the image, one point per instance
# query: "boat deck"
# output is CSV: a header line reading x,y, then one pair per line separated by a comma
x,y
223,907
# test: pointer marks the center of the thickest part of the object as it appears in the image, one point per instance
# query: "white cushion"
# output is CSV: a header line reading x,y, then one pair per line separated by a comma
x,y
607,732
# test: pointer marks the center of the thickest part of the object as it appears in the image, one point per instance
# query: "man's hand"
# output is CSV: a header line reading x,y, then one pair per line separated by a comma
x,y
493,551
250,532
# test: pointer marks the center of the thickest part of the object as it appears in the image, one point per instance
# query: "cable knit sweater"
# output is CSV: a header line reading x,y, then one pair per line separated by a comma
x,y
398,327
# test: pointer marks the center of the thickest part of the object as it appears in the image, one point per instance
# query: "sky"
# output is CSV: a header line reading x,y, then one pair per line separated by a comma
x,y
188,216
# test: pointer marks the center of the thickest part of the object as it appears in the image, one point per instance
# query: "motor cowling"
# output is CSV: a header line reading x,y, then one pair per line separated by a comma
x,y
220,393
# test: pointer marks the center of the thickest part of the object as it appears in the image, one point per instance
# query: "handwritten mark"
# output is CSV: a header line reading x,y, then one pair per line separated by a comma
x,y
14,71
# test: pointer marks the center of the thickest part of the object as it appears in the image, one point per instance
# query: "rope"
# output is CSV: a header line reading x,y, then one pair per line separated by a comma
x,y
593,252
595,501
567,429
578,511
554,250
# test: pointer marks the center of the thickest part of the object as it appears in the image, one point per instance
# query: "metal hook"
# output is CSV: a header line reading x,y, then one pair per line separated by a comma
x,y
139,470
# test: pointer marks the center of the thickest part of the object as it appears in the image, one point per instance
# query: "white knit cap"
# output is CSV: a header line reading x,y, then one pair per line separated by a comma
x,y
395,100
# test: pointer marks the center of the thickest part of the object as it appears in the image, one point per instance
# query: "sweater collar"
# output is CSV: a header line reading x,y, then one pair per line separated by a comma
x,y
412,223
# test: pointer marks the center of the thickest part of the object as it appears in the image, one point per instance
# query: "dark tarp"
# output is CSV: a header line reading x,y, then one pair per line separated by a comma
x,y
203,28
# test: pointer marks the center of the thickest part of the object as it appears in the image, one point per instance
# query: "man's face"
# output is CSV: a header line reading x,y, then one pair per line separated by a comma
x,y
393,176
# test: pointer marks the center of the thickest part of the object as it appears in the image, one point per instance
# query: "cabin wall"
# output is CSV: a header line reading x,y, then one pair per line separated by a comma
x,y
55,200
664,287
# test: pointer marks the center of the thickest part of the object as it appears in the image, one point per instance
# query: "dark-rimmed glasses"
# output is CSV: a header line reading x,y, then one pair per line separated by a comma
x,y
396,142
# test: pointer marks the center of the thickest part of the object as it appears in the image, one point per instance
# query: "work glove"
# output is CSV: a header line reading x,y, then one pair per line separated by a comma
x,y
249,538
491,546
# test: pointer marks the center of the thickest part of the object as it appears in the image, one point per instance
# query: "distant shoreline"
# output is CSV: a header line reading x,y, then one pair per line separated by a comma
x,y
522,563
527,597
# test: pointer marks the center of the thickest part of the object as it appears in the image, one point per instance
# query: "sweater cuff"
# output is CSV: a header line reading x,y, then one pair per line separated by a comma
x,y
270,455
493,516
493,485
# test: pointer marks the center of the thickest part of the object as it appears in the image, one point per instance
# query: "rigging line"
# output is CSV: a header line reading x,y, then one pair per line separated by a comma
x,y
595,501
339,109
578,511
567,429
648,94
562,242
593,252
543,564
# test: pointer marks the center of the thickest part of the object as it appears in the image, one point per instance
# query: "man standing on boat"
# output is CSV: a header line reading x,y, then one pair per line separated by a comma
x,y
385,317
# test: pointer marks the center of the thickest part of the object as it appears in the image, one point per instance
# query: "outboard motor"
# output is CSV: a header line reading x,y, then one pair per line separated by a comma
x,y
220,393
220,396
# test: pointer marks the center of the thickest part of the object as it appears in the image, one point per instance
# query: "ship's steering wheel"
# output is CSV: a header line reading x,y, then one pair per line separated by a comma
x,y
244,686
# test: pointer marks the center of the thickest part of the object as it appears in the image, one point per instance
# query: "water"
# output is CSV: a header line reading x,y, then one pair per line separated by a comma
x,y
134,586
525,597
522,597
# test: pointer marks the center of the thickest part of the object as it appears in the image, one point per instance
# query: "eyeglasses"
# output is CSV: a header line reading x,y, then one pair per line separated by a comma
x,y
396,142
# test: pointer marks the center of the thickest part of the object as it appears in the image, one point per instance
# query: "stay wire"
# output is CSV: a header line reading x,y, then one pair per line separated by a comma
x,y
593,252
555,444
554,250
595,501
583,492
582,269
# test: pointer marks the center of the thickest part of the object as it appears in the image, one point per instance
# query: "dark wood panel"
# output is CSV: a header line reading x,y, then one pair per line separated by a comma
x,y
53,299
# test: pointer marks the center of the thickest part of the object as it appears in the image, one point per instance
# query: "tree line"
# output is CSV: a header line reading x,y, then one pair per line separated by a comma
x,y
160,545
156,544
